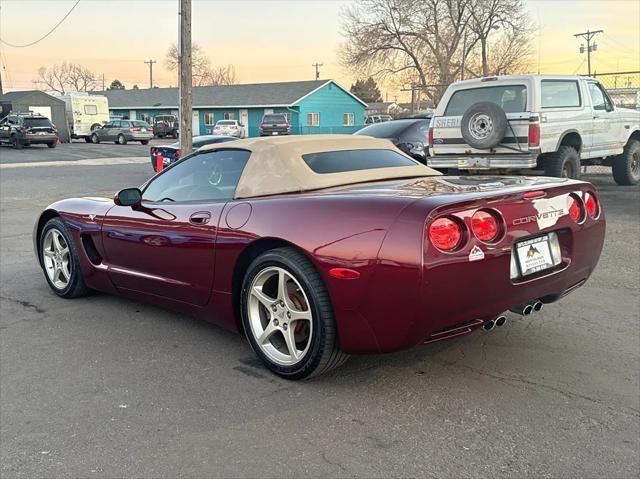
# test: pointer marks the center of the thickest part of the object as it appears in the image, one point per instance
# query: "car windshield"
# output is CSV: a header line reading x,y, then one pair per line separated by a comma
x,y
35,122
354,160
511,98
274,119
387,129
226,122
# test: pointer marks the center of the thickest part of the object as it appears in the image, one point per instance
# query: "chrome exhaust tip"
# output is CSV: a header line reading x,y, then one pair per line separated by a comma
x,y
500,320
522,309
537,306
488,326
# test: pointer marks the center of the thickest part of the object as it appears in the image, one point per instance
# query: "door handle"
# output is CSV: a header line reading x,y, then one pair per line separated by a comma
x,y
200,218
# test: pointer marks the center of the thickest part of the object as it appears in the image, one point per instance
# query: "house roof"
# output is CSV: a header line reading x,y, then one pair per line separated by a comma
x,y
233,96
19,95
276,164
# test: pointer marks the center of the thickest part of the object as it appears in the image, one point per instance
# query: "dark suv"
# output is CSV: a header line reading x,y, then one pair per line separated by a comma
x,y
165,125
24,129
275,124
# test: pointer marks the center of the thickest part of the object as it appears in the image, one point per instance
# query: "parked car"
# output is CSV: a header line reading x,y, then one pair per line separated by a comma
x,y
377,119
123,131
324,245
229,128
85,113
171,153
548,122
24,129
165,125
409,135
273,124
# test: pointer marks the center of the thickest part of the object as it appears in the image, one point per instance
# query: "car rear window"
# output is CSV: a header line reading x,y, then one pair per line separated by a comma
x,y
387,129
226,122
140,123
274,119
511,98
35,122
560,94
354,160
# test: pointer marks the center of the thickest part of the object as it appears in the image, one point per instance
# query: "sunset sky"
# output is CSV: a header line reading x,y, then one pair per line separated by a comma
x,y
267,40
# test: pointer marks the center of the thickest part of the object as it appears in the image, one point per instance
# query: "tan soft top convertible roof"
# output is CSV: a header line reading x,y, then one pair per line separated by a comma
x,y
276,165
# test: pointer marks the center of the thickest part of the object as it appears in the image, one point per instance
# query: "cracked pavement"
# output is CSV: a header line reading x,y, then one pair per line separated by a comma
x,y
106,387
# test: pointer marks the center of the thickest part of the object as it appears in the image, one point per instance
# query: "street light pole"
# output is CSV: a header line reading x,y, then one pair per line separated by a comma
x,y
186,105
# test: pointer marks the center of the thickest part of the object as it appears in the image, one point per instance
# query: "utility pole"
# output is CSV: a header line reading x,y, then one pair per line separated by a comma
x,y
464,54
150,63
317,65
185,78
1,90
588,36
103,82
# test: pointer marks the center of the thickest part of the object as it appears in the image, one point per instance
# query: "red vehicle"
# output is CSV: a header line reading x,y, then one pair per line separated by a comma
x,y
320,247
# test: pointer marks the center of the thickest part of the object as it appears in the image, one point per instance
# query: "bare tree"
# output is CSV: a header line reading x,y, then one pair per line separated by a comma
x,y
203,72
429,39
64,77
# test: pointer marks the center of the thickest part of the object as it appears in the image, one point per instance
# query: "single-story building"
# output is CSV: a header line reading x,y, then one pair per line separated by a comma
x,y
38,102
320,106
385,108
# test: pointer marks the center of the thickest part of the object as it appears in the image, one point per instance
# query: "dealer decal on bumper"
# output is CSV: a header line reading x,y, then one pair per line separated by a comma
x,y
476,254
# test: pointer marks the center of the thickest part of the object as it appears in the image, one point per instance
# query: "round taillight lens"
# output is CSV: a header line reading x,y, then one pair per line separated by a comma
x,y
575,208
591,205
445,234
484,225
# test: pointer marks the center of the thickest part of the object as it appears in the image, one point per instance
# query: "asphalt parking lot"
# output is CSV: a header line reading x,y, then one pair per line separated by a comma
x,y
107,387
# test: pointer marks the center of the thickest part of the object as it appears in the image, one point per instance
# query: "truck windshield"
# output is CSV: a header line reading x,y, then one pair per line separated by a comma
x,y
511,98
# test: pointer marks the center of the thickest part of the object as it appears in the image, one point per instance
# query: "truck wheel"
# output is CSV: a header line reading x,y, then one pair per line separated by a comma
x,y
564,163
626,167
483,125
87,139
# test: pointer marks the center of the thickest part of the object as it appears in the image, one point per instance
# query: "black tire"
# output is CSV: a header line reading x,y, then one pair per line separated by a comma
x,y
564,163
87,139
484,125
626,167
144,142
121,140
95,139
76,286
52,144
15,143
323,353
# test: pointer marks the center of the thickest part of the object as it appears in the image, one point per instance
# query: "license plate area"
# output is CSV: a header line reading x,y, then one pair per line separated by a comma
x,y
476,163
534,255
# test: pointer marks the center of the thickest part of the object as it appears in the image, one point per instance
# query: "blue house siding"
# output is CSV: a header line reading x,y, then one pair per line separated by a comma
x,y
331,102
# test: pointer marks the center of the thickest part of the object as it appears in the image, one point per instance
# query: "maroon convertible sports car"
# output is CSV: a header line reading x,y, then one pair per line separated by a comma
x,y
322,246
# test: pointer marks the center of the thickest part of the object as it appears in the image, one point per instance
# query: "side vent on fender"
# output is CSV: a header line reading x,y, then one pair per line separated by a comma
x,y
90,249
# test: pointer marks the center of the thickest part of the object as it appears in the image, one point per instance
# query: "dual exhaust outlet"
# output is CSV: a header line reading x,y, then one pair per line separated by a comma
x,y
524,309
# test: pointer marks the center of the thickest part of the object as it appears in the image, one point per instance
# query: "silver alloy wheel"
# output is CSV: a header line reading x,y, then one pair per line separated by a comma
x,y
280,316
121,139
480,126
57,259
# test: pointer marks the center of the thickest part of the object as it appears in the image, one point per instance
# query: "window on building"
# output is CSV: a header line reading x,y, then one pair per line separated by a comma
x,y
229,116
348,119
91,109
313,119
208,119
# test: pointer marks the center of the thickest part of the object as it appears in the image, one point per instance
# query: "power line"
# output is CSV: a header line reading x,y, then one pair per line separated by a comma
x,y
46,34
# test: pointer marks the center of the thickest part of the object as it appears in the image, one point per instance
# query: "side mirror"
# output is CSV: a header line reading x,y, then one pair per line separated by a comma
x,y
128,197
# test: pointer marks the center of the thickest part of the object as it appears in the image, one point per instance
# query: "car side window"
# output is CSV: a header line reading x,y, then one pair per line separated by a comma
x,y
209,176
599,99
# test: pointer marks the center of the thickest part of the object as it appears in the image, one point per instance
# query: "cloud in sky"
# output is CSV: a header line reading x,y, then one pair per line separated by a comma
x,y
266,40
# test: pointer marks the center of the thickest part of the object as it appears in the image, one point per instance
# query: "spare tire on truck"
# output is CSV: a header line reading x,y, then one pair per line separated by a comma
x,y
484,125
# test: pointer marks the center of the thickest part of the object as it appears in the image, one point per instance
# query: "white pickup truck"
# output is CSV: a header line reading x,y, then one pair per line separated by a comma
x,y
547,122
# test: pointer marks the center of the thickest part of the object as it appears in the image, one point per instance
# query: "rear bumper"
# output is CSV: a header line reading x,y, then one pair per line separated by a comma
x,y
480,162
274,132
139,136
35,139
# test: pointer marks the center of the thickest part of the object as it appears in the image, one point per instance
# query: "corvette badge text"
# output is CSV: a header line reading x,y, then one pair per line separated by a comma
x,y
546,215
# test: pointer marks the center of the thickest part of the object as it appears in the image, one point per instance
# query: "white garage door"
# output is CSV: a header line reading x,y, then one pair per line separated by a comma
x,y
42,110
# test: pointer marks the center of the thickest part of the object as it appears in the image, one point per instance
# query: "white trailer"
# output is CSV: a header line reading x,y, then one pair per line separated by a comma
x,y
85,113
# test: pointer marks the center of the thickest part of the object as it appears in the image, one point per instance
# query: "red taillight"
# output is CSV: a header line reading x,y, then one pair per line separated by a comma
x,y
344,273
445,234
534,134
261,126
136,128
575,208
177,155
591,205
485,226
430,136
154,151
